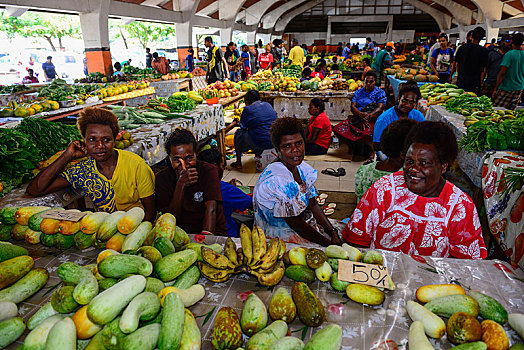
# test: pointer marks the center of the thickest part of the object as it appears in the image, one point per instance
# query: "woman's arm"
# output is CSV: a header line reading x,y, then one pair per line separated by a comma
x,y
432,65
313,136
210,215
48,180
355,111
321,218
149,208
377,111
305,230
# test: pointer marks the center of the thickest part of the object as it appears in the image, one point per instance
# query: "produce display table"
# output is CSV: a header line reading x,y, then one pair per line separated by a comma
x,y
228,101
166,88
364,327
150,139
504,214
395,84
295,104
18,197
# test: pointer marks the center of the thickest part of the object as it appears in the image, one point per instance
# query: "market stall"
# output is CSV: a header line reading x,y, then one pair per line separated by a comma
x,y
295,104
383,326
395,84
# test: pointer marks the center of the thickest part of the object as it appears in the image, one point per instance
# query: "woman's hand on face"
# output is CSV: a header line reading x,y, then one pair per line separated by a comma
x,y
76,149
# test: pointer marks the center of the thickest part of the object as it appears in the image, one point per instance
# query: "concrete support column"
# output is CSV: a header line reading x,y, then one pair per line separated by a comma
x,y
96,37
389,33
266,38
251,38
462,33
328,33
226,34
491,11
184,36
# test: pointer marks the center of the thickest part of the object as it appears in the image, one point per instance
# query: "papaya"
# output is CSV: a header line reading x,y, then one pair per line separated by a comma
x,y
282,307
254,315
165,227
463,328
310,310
227,333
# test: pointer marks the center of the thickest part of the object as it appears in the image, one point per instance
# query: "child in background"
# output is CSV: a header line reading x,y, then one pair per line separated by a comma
x,y
318,72
306,74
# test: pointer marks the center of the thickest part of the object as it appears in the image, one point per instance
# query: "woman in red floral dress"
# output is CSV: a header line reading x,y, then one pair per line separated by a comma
x,y
416,211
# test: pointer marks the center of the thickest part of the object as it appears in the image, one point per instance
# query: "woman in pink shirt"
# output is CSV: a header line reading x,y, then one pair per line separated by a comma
x,y
266,59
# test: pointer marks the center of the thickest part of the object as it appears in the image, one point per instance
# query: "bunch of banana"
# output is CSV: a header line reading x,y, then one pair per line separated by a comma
x,y
256,257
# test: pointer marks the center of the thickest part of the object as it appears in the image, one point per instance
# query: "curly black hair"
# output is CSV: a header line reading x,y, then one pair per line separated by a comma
x,y
285,126
180,137
393,137
410,86
95,115
211,156
438,134
371,73
318,103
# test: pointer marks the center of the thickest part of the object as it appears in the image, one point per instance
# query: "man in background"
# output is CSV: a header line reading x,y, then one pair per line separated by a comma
x,y
190,61
370,47
494,59
49,69
382,60
216,64
296,54
471,62
510,80
149,57
346,51
160,64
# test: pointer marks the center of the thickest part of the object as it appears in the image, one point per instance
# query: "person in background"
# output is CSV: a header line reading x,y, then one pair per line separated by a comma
x,y
118,70
367,104
247,66
30,78
339,49
190,60
416,211
313,49
408,98
510,80
49,69
377,49
149,58
355,48
370,47
493,43
366,67
471,62
392,142
318,72
254,125
442,60
296,54
306,74
433,47
189,188
335,72
260,50
307,63
346,51
84,61
494,59
160,64
113,179
216,63
382,60
419,50
231,56
285,195
276,51
233,198
304,48
318,132
266,58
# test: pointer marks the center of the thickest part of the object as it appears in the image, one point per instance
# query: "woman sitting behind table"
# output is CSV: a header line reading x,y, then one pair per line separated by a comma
x,y
318,72
367,104
113,179
190,189
285,196
392,142
306,74
30,78
408,97
318,133
366,66
416,211
233,198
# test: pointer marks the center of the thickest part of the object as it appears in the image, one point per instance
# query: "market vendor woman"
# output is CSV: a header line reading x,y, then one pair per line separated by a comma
x,y
113,179
190,189
416,211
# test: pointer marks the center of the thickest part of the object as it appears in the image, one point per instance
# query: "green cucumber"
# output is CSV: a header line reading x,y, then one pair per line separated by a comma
x,y
25,287
477,345
9,251
8,310
144,338
447,305
337,284
172,323
489,308
42,314
143,307
270,335
328,338
289,343
164,246
18,231
82,240
47,240
64,242
62,336
121,264
5,232
188,278
86,284
170,267
135,239
106,283
63,301
154,285
10,330
36,339
36,219
13,269
7,215
108,304
301,273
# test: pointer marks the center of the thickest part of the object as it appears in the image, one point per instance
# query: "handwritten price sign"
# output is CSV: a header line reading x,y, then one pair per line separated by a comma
x,y
64,215
369,274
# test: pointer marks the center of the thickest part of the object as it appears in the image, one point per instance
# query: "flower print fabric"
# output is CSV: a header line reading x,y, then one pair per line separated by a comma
x,y
389,216
278,196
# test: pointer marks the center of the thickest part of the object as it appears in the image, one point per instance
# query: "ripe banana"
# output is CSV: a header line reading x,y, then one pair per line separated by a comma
x,y
213,274
230,251
240,256
282,249
247,245
262,239
215,259
271,256
271,279
255,247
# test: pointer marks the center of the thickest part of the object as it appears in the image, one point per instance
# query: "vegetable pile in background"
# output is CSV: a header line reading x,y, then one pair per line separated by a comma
x,y
11,89
467,104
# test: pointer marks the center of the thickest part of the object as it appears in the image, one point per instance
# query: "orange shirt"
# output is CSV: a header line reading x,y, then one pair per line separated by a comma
x,y
161,65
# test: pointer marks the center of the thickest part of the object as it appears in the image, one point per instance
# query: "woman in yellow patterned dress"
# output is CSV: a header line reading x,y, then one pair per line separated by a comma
x,y
113,179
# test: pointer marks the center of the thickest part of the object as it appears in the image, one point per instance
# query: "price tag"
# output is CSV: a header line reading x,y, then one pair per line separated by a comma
x,y
357,272
64,215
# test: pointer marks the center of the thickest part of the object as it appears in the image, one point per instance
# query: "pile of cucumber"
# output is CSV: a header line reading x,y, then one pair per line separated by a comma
x,y
132,118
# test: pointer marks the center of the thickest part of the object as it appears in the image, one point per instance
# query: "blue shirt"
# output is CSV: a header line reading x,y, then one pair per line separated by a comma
x,y
346,52
49,69
388,117
257,118
245,55
233,199
363,98
443,60
189,62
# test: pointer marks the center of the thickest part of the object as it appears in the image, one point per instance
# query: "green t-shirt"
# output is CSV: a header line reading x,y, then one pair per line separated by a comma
x,y
365,177
382,56
514,77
